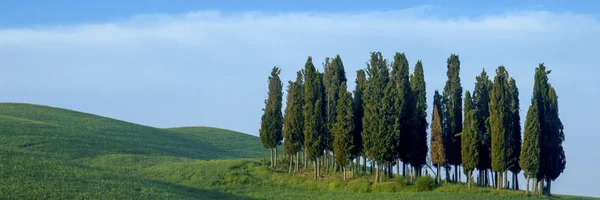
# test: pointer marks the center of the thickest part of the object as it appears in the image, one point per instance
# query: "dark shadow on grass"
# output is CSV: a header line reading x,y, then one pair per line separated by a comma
x,y
196,193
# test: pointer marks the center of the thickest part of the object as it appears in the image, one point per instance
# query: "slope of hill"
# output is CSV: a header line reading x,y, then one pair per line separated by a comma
x,y
80,135
48,152
52,153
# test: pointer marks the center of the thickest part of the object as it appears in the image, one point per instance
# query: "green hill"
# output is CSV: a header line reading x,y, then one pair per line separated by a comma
x,y
52,153
79,135
49,152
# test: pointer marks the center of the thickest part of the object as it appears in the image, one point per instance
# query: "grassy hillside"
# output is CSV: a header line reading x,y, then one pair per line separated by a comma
x,y
51,153
46,152
79,135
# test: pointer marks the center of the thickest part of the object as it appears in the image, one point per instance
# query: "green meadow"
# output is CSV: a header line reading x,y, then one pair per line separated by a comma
x,y
53,153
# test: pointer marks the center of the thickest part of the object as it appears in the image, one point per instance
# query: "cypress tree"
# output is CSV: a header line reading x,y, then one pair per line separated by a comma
x,y
419,122
293,120
500,116
453,103
334,75
343,129
439,101
530,153
557,159
438,156
313,111
272,119
377,104
359,111
514,131
403,103
470,153
390,126
552,159
481,98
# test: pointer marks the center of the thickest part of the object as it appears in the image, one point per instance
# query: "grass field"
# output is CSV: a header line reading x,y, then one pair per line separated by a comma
x,y
51,153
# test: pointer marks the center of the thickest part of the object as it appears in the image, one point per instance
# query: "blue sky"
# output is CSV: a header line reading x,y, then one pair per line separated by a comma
x,y
185,63
23,13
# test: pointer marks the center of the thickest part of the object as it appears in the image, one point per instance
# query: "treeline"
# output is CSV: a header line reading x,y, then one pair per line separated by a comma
x,y
384,121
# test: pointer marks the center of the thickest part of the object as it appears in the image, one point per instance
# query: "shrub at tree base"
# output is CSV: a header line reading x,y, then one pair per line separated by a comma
x,y
401,181
425,183
336,186
360,185
386,187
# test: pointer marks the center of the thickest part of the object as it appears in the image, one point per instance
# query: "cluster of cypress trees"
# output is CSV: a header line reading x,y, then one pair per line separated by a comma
x,y
384,121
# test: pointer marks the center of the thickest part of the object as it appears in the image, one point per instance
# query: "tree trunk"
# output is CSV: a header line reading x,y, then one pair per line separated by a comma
x,y
512,181
297,155
356,166
549,187
505,176
492,179
439,178
275,156
498,177
271,156
365,164
526,185
335,166
291,164
323,160
411,172
534,188
376,172
485,178
315,166
319,167
542,187
517,181
305,159
390,170
478,178
381,170
344,171
328,161
468,180
398,167
456,173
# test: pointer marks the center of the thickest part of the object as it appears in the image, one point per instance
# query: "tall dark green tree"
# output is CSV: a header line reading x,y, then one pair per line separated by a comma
x,y
313,111
390,127
453,102
530,153
378,103
470,140
333,77
419,122
553,160
554,141
404,108
293,120
359,112
343,129
438,156
500,116
481,98
513,140
272,119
